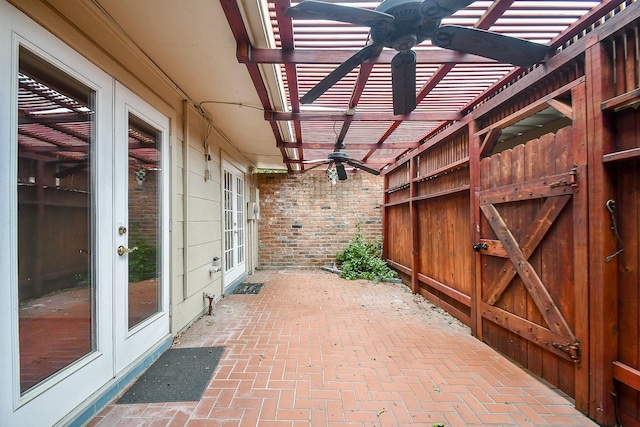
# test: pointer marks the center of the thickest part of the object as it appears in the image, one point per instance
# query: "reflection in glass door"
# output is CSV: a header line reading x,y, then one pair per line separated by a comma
x,y
55,240
144,221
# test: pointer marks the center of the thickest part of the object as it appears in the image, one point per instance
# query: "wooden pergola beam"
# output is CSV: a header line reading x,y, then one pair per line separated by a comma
x,y
362,117
251,55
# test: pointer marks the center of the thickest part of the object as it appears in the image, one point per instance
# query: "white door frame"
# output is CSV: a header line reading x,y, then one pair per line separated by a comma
x,y
43,405
234,257
132,343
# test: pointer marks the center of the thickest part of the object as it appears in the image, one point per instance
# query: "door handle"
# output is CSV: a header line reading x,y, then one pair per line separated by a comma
x,y
480,246
122,250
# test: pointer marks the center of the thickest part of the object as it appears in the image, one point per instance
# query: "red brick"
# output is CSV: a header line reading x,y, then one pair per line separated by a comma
x,y
328,338
305,221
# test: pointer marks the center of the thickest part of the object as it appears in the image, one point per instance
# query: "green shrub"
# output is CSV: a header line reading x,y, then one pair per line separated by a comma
x,y
362,260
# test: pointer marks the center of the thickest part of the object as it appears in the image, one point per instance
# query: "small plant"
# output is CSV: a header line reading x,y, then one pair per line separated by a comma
x,y
362,260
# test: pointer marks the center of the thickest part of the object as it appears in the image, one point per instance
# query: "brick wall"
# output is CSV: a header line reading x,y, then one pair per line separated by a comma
x,y
305,221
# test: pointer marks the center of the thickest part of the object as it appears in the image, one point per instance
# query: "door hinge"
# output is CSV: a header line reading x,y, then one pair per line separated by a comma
x,y
573,350
170,309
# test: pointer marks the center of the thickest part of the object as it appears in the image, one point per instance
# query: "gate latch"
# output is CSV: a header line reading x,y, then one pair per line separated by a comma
x,y
480,246
572,349
570,180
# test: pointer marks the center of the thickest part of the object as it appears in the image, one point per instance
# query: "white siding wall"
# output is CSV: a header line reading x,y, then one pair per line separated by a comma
x,y
118,57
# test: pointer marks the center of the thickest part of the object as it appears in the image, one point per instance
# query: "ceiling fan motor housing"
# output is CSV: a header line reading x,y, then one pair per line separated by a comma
x,y
410,26
338,156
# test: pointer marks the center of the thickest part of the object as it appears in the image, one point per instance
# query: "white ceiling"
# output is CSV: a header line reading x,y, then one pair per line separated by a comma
x,y
193,45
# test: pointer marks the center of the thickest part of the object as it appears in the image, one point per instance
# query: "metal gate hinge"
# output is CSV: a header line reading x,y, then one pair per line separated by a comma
x,y
573,350
559,183
573,177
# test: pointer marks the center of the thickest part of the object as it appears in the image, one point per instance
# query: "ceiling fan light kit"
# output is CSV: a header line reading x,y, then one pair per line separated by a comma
x,y
337,160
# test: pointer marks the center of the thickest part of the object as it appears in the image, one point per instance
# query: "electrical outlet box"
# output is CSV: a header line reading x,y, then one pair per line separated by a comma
x,y
253,210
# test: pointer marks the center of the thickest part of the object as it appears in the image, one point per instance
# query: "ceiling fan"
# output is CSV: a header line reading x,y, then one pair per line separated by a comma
x,y
401,25
338,159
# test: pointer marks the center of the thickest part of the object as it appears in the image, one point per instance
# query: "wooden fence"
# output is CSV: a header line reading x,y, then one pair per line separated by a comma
x,y
533,240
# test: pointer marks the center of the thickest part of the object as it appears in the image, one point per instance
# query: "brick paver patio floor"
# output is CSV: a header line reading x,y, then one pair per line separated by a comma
x,y
312,349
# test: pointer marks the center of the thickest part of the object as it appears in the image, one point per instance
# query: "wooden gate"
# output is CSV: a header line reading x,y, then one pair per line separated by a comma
x,y
528,291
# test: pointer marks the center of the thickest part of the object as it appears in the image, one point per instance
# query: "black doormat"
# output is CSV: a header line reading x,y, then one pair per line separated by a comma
x,y
179,375
248,288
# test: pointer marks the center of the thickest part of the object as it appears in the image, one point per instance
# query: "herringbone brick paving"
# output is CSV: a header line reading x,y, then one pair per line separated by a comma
x,y
315,350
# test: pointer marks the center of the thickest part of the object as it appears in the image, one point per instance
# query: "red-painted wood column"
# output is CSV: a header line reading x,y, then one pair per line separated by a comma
x,y
603,295
385,218
415,224
581,245
474,188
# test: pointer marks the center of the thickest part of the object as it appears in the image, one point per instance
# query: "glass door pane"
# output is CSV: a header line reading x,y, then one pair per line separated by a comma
x,y
240,220
55,240
229,222
144,205
234,223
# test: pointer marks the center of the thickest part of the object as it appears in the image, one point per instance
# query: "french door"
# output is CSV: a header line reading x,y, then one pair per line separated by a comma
x,y
234,218
56,308
83,178
140,227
